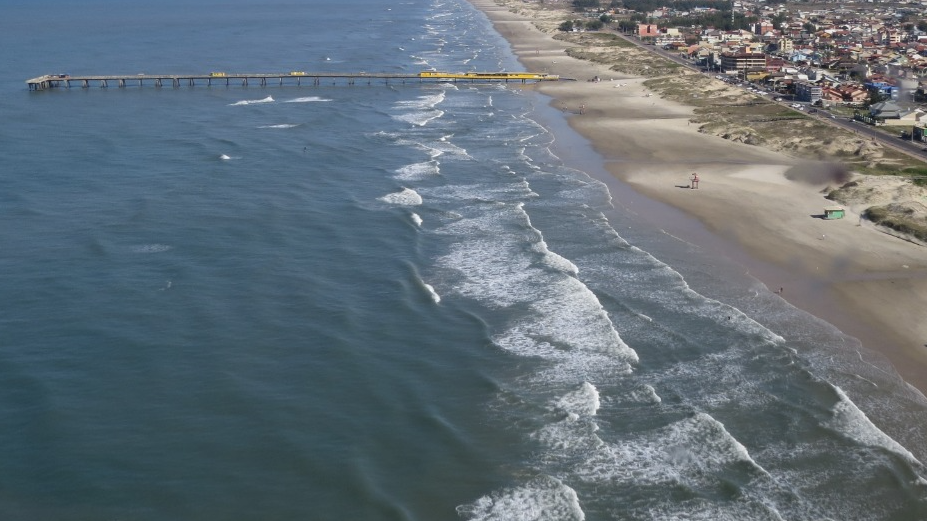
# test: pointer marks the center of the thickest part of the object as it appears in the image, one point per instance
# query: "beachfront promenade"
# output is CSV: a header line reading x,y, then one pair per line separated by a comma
x,y
51,81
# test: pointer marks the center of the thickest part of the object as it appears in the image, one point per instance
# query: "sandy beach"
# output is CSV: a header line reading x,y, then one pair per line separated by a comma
x,y
869,284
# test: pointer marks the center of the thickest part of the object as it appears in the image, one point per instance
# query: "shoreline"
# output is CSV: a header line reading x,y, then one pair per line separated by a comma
x,y
868,284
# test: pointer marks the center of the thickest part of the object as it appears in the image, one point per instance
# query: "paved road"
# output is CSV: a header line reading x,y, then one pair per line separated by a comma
x,y
913,149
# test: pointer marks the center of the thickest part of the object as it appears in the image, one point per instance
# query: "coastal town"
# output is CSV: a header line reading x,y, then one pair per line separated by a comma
x,y
868,57
825,82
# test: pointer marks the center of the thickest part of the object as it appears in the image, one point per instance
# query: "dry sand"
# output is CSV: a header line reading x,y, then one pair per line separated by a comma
x,y
867,283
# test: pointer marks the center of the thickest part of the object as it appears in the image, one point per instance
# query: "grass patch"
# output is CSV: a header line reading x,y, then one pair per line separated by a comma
x,y
898,219
895,163
918,170
608,40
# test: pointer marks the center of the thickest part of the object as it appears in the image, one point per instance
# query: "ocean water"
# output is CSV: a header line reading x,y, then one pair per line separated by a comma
x,y
382,302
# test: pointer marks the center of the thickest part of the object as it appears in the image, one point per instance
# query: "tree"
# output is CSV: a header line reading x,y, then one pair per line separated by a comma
x,y
876,96
594,25
627,26
779,19
605,19
922,26
566,26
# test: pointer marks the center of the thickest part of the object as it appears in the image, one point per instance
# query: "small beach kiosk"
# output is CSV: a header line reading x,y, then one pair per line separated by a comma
x,y
834,212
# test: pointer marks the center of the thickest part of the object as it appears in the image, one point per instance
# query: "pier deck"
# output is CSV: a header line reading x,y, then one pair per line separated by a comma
x,y
50,81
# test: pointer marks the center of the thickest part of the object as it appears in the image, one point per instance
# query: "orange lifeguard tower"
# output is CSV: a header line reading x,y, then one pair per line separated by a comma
x,y
694,181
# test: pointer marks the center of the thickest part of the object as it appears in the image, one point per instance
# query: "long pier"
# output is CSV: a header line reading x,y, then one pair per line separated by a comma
x,y
51,81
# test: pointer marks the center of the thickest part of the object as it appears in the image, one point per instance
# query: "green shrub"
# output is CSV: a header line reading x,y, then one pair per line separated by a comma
x,y
898,220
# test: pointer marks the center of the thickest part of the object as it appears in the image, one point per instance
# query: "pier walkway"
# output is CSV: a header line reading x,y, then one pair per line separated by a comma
x,y
50,81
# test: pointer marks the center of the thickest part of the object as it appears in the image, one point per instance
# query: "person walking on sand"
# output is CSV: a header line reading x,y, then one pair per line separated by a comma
x,y
694,183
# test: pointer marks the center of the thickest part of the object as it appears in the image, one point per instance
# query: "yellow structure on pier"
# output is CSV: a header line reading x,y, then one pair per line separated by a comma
x,y
489,76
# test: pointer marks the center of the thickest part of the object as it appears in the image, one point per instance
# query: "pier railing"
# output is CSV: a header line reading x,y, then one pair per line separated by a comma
x,y
50,81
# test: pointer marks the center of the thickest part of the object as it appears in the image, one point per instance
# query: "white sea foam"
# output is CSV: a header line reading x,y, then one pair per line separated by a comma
x,y
666,287
224,157
282,125
416,219
554,260
737,510
420,118
418,171
306,99
542,499
566,314
853,423
576,431
407,197
268,99
431,292
696,451
436,148
151,248
572,437
423,102
642,394
421,110
702,441
581,402
443,146
480,193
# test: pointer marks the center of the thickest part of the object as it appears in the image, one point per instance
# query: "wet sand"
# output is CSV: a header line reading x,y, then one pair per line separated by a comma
x,y
868,284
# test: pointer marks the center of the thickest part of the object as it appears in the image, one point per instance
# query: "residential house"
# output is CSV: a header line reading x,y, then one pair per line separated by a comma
x,y
736,62
807,91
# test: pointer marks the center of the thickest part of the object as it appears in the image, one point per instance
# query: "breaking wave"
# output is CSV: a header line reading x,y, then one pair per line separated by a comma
x,y
268,99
